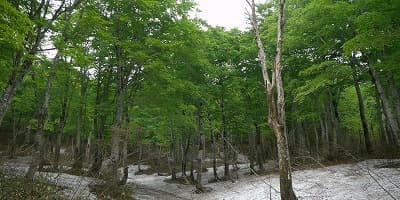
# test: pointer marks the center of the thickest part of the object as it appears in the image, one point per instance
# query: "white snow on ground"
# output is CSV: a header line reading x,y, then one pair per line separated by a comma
x,y
74,187
358,181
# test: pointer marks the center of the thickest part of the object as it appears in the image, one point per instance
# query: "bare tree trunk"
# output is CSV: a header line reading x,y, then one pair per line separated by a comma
x,y
159,160
140,157
214,149
186,154
332,125
225,138
99,121
88,148
382,133
125,149
117,126
201,150
61,125
172,159
386,106
324,134
43,113
259,151
276,116
361,107
252,149
317,140
78,154
191,163
38,157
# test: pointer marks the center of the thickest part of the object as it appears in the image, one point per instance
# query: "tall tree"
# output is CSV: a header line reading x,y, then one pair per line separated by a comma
x,y
43,14
276,104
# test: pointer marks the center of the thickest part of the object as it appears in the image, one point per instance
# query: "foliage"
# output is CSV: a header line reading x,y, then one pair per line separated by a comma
x,y
173,68
14,188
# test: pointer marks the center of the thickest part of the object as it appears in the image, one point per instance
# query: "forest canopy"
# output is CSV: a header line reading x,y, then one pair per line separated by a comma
x,y
107,79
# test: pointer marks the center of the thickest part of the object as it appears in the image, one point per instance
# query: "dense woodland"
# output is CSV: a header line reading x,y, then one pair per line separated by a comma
x,y
110,83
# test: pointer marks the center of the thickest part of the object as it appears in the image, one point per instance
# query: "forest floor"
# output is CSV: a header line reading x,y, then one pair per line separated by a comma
x,y
369,179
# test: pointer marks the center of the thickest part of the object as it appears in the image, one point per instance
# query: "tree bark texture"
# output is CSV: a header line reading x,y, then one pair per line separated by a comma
x,y
78,152
225,138
172,160
61,125
252,146
42,118
201,150
214,154
100,120
396,98
117,125
125,148
276,116
386,106
361,107
259,151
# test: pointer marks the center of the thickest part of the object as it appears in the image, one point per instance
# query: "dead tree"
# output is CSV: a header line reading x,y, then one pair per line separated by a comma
x,y
276,104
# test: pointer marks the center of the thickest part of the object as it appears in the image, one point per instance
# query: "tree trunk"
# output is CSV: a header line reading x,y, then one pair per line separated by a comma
x,y
99,121
317,140
225,138
172,159
61,126
140,157
259,151
278,121
201,150
186,154
324,134
117,126
43,113
125,148
382,133
276,116
88,148
8,95
214,154
386,106
38,158
361,107
13,143
276,112
22,64
332,125
252,149
159,160
78,154
396,100
191,163
18,74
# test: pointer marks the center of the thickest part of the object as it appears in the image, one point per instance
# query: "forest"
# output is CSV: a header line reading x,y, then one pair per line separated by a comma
x,y
117,91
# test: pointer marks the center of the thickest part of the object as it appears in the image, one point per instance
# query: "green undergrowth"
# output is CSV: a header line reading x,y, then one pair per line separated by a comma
x,y
16,188
112,191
